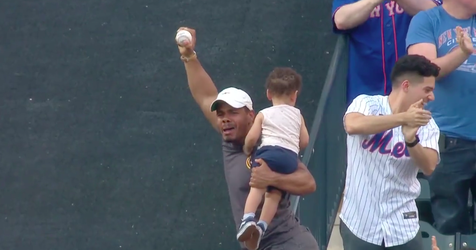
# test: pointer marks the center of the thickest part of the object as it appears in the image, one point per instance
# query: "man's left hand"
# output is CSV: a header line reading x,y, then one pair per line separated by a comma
x,y
261,176
409,133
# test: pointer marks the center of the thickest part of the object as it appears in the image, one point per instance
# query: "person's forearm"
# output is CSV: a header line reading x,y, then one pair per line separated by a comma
x,y
450,62
422,159
200,83
370,124
250,142
300,182
412,7
352,15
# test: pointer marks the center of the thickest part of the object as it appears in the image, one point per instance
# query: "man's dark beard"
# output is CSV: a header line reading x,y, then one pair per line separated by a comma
x,y
237,141
241,141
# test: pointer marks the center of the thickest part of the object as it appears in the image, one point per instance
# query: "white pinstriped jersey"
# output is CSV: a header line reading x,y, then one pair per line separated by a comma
x,y
381,184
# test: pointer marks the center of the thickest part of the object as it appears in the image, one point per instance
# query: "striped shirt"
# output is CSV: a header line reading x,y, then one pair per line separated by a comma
x,y
381,184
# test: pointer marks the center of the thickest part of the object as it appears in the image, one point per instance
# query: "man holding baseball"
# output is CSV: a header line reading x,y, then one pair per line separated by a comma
x,y
233,118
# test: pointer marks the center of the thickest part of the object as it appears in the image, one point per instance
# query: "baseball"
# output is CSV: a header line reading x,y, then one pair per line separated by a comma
x,y
183,37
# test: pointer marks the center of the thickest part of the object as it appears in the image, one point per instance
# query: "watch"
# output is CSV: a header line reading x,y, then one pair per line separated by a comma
x,y
414,143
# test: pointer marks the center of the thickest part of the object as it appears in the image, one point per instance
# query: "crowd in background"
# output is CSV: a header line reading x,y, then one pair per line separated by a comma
x,y
380,32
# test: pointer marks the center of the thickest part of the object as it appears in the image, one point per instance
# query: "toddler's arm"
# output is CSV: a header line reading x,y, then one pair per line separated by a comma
x,y
304,136
253,135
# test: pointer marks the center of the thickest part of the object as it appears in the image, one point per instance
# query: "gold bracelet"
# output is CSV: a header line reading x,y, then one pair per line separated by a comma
x,y
189,58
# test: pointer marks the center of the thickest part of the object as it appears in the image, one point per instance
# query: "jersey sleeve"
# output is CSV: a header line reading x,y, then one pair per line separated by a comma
x,y
364,104
336,5
429,136
420,30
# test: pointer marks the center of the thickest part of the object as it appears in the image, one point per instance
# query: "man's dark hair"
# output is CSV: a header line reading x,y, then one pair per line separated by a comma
x,y
283,81
416,65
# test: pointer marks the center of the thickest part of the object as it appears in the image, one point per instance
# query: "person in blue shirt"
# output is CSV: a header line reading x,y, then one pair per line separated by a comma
x,y
447,36
377,31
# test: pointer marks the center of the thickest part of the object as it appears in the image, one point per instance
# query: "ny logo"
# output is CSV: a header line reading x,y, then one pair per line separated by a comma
x,y
392,7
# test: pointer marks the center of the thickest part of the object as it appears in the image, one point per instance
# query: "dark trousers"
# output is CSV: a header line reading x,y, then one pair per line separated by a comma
x,y
450,184
352,242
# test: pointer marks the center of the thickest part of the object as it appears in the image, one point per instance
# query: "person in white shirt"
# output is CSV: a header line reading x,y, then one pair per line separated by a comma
x,y
388,139
283,133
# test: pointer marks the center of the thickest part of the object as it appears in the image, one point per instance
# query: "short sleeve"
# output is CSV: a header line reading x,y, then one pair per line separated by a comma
x,y
364,104
429,136
420,30
336,4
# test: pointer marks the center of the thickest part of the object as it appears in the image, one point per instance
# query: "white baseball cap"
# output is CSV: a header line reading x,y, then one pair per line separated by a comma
x,y
234,97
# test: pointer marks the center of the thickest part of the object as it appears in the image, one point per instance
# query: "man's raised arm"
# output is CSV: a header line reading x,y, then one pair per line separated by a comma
x,y
421,41
201,85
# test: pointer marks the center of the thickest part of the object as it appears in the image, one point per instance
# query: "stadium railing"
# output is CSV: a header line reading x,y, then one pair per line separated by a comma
x,y
325,155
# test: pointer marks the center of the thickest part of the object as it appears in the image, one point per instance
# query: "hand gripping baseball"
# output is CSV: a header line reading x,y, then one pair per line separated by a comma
x,y
186,49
